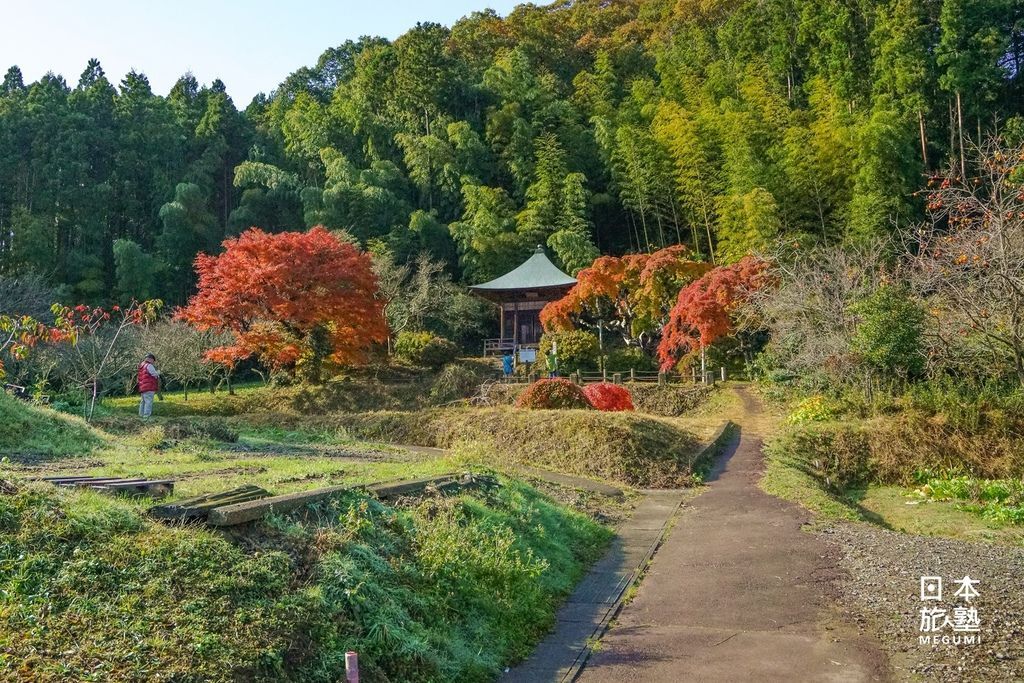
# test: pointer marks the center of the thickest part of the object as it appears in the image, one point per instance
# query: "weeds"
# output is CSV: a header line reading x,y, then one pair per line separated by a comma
x,y
997,500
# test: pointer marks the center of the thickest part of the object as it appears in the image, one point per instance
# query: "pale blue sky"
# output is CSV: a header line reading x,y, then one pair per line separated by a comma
x,y
252,45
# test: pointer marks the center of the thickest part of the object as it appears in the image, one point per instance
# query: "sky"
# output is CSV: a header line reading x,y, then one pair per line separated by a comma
x,y
251,45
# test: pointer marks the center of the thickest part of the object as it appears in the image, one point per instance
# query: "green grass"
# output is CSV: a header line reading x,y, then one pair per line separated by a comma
x,y
443,589
902,509
634,449
435,589
448,589
996,500
27,430
806,464
788,475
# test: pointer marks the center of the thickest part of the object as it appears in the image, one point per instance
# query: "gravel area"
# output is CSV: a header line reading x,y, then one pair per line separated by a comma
x,y
881,593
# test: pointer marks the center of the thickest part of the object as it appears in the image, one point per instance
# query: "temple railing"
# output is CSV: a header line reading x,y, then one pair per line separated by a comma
x,y
503,344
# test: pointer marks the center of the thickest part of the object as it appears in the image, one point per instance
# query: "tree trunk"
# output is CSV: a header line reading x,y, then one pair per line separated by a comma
x,y
924,139
92,403
643,222
675,221
707,227
952,129
960,133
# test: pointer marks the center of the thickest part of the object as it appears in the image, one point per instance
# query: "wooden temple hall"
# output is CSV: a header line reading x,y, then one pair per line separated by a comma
x,y
520,295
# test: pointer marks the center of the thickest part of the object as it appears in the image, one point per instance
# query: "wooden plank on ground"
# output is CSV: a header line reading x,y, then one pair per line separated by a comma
x,y
185,502
101,482
385,490
239,513
156,489
199,507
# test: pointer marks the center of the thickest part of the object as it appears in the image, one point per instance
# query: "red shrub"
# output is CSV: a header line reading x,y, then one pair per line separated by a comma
x,y
606,396
552,394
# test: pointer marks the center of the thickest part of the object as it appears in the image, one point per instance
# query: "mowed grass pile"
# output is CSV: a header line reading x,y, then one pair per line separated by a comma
x,y
638,450
448,589
30,430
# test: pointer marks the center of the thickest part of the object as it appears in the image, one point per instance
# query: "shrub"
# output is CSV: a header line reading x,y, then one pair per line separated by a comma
x,y
629,358
817,408
890,333
552,394
409,345
459,380
607,396
425,350
438,352
577,350
838,454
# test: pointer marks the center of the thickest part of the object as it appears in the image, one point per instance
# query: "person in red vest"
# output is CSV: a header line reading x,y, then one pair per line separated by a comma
x,y
149,384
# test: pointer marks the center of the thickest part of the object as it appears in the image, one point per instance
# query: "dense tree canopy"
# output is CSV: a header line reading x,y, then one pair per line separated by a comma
x,y
291,299
630,295
590,126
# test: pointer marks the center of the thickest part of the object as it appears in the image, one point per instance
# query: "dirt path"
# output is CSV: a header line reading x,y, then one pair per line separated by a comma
x,y
737,592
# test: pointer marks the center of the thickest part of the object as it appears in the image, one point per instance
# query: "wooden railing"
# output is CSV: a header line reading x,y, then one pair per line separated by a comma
x,y
494,346
636,376
497,346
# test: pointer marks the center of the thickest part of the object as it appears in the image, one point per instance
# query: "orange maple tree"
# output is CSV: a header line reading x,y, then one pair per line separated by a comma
x,y
288,298
704,309
631,294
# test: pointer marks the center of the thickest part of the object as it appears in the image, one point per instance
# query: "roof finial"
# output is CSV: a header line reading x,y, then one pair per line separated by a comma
x,y
539,249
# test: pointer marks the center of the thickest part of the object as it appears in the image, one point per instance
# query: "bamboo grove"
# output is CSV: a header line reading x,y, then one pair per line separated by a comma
x,y
589,126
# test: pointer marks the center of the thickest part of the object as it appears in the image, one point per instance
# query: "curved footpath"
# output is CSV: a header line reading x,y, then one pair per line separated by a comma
x,y
737,592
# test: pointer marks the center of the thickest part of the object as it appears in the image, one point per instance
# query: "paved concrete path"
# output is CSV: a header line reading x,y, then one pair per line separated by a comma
x,y
591,606
737,592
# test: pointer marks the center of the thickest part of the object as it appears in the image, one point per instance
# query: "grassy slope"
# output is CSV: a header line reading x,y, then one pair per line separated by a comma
x,y
446,589
633,448
791,474
638,450
31,430
450,589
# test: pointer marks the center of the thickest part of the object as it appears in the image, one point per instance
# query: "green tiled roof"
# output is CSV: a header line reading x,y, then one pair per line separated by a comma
x,y
536,272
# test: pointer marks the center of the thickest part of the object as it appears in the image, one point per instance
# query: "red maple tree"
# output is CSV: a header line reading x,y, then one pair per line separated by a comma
x,y
704,309
631,294
288,298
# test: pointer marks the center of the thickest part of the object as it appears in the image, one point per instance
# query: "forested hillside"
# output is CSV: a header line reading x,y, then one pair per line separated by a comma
x,y
590,126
